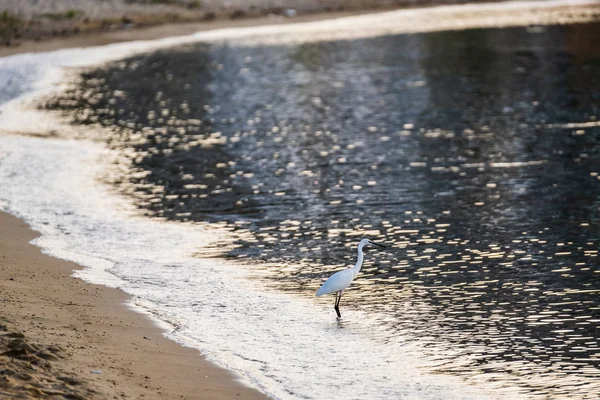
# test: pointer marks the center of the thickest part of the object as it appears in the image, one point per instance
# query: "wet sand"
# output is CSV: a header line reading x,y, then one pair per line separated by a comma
x,y
73,330
159,32
26,20
458,19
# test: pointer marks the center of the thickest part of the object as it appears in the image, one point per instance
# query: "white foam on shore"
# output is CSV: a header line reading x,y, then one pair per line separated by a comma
x,y
288,347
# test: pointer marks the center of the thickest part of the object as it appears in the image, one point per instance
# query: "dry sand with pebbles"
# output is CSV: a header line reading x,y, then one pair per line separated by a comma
x,y
161,26
23,20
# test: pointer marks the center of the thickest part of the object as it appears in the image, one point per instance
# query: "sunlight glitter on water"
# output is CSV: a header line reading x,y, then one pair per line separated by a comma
x,y
280,349
484,267
289,154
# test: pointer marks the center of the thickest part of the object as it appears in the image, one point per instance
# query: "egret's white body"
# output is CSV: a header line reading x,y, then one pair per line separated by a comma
x,y
339,281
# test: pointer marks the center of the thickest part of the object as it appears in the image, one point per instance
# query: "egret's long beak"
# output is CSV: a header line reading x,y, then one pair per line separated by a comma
x,y
378,244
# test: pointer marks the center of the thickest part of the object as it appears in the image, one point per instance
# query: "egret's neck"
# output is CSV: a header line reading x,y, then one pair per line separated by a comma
x,y
359,262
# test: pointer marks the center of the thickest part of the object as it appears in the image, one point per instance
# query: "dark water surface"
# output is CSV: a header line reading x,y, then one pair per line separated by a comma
x,y
475,154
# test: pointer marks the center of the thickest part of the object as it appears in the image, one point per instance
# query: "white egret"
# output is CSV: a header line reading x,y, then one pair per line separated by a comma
x,y
342,279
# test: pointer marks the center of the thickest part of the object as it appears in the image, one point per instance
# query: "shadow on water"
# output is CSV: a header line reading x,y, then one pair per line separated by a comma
x,y
474,153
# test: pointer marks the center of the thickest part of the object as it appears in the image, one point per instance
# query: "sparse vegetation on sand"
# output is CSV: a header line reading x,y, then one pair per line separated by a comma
x,y
11,26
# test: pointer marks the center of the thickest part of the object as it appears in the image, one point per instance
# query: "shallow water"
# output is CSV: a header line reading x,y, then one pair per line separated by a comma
x,y
474,154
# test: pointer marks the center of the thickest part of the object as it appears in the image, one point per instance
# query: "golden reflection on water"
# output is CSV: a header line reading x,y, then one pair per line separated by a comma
x,y
488,199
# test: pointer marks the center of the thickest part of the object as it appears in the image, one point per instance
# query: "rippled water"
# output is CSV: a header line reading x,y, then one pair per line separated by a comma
x,y
475,154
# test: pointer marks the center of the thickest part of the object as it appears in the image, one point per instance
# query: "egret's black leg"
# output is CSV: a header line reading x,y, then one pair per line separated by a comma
x,y
338,297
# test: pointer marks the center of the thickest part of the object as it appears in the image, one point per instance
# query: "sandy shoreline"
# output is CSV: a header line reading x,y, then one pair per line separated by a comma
x,y
158,32
563,13
72,328
27,20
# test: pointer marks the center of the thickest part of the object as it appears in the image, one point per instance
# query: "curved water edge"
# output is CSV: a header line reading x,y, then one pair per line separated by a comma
x,y
57,192
29,76
279,344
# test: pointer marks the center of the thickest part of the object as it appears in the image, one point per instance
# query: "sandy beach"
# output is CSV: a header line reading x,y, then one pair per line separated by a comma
x,y
157,32
61,336
22,21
